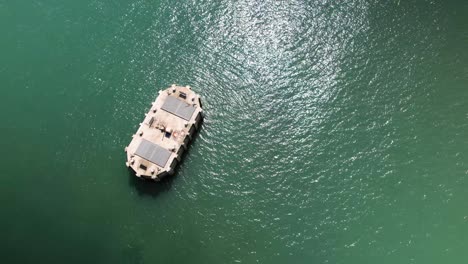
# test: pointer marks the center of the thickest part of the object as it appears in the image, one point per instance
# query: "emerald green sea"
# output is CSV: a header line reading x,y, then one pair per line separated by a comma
x,y
335,131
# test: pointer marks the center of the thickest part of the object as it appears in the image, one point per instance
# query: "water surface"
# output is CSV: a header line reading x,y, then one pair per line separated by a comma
x,y
334,132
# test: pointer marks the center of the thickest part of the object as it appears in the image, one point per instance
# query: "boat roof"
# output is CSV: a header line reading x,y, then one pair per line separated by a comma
x,y
178,107
153,153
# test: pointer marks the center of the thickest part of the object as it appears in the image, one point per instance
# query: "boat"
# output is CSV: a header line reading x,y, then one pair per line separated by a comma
x,y
165,134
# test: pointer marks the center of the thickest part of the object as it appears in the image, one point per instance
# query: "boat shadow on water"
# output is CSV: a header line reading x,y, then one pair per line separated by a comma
x,y
151,188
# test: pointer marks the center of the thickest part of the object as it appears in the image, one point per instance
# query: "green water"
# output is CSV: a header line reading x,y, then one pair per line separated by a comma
x,y
335,131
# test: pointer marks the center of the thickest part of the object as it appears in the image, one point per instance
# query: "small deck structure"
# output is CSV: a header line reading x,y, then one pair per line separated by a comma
x,y
165,133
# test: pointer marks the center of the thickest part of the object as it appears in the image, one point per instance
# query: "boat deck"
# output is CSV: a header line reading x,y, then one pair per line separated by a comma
x,y
165,133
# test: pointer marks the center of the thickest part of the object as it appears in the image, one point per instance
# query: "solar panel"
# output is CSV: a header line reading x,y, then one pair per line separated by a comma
x,y
171,104
178,107
152,152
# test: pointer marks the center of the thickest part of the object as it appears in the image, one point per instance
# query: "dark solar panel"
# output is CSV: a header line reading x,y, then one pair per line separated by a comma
x,y
171,104
185,111
178,108
152,152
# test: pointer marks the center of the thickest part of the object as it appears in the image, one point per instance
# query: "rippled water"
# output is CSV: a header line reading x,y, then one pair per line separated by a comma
x,y
334,132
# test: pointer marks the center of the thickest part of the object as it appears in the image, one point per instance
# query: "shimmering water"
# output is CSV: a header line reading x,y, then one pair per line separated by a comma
x,y
335,131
